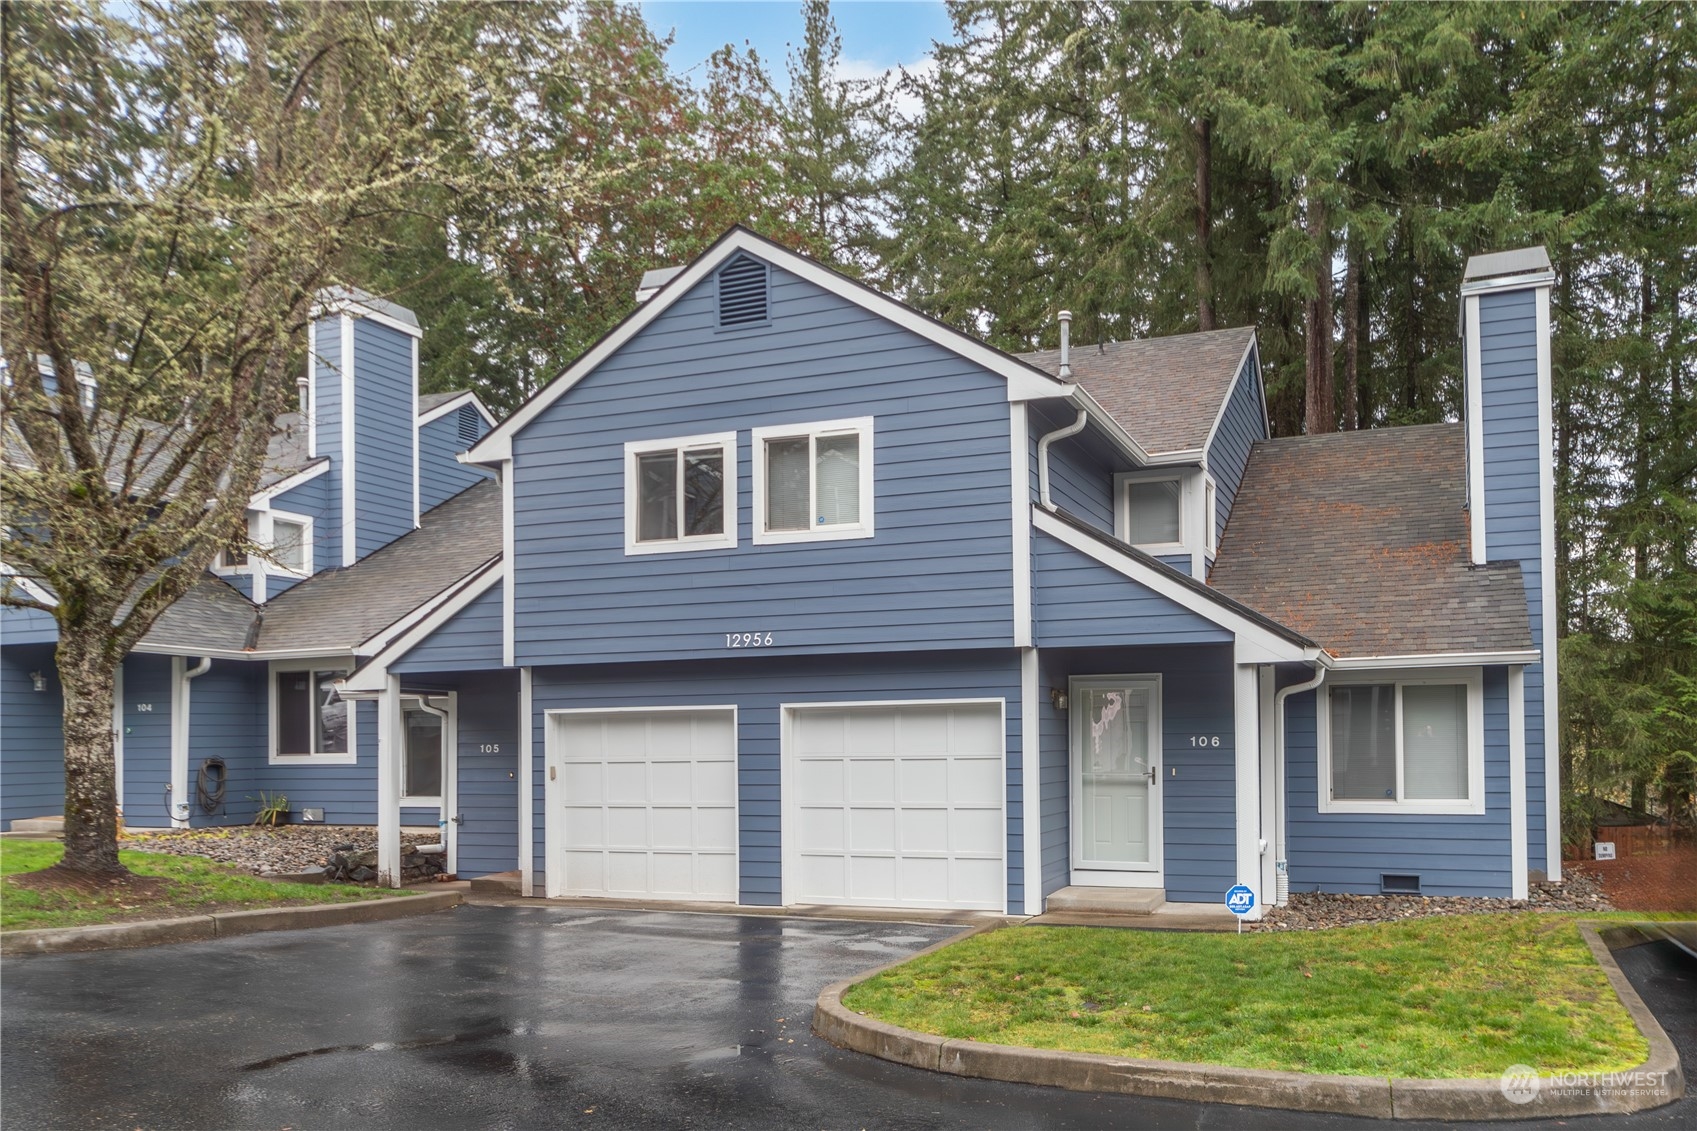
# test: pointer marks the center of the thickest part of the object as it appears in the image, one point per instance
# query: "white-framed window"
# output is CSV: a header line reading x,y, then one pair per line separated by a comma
x,y
311,724
1403,742
681,494
1152,506
289,543
813,482
1210,516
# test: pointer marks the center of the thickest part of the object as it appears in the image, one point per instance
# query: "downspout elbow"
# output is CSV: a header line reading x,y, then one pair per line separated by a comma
x,y
1072,429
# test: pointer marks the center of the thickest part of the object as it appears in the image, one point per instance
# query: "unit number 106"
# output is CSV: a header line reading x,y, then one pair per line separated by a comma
x,y
748,639
1204,740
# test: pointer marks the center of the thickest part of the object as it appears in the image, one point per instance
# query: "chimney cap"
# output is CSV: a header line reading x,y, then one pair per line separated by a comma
x,y
1501,264
654,279
364,304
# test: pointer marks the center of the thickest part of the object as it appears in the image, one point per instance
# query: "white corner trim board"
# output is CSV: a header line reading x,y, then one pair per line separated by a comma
x,y
1475,380
350,505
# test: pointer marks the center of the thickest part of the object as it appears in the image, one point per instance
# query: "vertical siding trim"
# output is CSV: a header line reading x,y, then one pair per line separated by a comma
x,y
1269,770
179,750
1517,780
1020,451
414,410
1475,430
350,517
1246,704
1547,536
1030,773
527,767
390,735
118,735
507,555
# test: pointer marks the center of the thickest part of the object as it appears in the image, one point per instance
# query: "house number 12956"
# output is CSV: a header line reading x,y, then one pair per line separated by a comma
x,y
1204,740
748,639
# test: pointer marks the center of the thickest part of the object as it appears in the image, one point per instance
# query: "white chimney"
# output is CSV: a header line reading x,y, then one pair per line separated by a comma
x,y
1065,373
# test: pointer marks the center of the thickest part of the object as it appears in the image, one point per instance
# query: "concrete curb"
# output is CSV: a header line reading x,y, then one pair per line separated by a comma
x,y
224,924
1658,1081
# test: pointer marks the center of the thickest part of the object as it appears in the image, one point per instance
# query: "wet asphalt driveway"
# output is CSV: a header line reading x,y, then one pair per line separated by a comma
x,y
493,1017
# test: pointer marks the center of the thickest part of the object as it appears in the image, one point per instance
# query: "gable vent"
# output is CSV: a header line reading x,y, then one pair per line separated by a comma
x,y
469,433
742,293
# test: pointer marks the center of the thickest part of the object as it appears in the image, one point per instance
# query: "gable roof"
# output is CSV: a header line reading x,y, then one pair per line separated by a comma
x,y
1025,381
1360,541
1167,392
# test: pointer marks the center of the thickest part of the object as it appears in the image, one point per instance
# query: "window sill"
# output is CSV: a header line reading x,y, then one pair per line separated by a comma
x,y
1407,808
421,803
828,534
1161,549
637,549
313,759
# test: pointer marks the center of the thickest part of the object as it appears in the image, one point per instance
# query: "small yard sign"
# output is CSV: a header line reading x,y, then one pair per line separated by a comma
x,y
1240,901
1603,850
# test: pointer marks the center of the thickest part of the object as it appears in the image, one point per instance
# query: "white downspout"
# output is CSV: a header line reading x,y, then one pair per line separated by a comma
x,y
1072,429
180,715
1282,865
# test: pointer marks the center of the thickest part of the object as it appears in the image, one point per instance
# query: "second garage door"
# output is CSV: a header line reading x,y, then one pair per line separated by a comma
x,y
895,805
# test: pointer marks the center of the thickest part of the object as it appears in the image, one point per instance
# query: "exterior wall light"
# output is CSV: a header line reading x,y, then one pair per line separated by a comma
x,y
1058,698
39,680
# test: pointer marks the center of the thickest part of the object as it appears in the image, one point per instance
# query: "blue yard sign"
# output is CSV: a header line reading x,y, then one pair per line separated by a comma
x,y
1240,901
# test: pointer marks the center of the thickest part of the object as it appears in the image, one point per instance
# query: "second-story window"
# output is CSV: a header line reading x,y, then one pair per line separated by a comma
x,y
813,481
680,494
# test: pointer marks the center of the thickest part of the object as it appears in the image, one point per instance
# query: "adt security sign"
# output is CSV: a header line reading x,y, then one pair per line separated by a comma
x,y
1240,901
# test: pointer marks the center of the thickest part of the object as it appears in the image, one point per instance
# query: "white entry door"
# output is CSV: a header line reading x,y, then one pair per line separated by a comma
x,y
646,804
429,763
1116,781
895,805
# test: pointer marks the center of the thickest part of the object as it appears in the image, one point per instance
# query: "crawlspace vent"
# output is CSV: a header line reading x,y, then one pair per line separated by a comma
x,y
742,293
1393,883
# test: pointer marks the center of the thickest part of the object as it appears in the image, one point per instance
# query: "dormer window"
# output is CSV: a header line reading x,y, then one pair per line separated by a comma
x,y
1152,510
743,294
681,494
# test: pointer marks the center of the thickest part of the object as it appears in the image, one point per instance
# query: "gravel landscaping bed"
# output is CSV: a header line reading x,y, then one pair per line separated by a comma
x,y
1312,911
285,850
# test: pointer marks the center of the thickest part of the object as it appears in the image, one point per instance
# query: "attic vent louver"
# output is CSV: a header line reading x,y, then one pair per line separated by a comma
x,y
468,425
742,293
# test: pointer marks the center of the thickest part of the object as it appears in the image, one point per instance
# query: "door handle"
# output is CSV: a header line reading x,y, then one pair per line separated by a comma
x,y
456,818
1151,774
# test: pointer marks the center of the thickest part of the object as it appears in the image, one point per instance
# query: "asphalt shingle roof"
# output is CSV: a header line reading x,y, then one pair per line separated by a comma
x,y
1360,541
211,615
1166,392
428,401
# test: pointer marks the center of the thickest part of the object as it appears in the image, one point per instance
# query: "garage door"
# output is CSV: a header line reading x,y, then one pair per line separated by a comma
x,y
896,806
647,802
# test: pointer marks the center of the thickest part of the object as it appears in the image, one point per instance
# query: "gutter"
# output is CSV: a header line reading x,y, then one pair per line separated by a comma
x,y
1281,863
1072,429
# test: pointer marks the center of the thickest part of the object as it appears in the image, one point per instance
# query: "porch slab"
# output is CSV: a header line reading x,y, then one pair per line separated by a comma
x,y
1106,901
39,826
499,883
1166,917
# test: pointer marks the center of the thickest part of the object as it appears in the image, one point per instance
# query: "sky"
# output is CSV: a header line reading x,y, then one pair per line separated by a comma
x,y
877,34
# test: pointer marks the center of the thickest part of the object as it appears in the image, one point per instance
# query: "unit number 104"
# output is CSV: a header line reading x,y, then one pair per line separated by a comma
x,y
748,639
1204,740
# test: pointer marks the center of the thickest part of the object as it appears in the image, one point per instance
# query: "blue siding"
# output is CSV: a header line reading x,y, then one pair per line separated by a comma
x,y
488,784
384,414
348,793
318,500
1243,422
1199,801
440,475
227,719
1508,351
1081,469
32,773
327,416
1078,601
147,741
1347,852
937,575
757,687
27,626
471,640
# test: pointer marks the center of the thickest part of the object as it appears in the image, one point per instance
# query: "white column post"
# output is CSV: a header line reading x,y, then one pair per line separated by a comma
x,y
1031,768
1518,847
527,787
1246,687
1269,789
179,805
390,735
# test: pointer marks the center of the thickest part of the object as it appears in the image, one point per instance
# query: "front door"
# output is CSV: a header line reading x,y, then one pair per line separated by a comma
x,y
428,768
1116,781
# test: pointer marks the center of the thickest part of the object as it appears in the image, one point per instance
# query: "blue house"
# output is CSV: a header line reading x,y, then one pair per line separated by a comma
x,y
787,594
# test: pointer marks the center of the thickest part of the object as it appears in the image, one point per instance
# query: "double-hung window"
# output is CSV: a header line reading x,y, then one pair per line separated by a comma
x,y
310,721
813,481
681,494
1403,743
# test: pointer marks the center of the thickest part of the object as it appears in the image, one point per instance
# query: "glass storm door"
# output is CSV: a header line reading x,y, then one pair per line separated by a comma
x,y
1116,780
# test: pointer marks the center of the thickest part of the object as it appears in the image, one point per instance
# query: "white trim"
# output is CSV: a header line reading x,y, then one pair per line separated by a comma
x,y
1547,578
1153,872
814,431
1269,823
508,630
1231,390
118,735
350,513
445,803
552,831
1114,430
268,540
1178,457
368,680
1518,847
790,818
1429,660
1246,738
262,499
331,758
453,404
1210,521
1025,382
389,726
34,589
1019,449
179,749
310,409
726,538
349,307
1473,805
1475,380
415,511
1264,645
1508,283
379,640
1188,543
1031,780
527,784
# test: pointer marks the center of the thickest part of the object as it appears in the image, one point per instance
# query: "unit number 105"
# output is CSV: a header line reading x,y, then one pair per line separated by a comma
x,y
748,639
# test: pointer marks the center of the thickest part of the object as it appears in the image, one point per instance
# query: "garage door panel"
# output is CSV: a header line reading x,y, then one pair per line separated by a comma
x,y
716,872
975,781
627,828
818,732
583,782
715,783
626,783
975,832
872,879
818,777
867,732
822,830
584,828
977,881
973,731
924,830
823,878
627,872
871,830
585,870
871,781
715,827
923,877
925,731
924,781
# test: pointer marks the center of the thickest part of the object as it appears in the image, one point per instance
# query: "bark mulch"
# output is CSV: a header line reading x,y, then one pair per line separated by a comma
x,y
1665,882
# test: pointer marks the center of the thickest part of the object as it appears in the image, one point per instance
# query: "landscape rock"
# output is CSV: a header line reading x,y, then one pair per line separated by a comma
x,y
1313,911
285,850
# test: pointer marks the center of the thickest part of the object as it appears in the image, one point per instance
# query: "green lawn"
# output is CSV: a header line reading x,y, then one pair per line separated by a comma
x,y
1455,996
193,887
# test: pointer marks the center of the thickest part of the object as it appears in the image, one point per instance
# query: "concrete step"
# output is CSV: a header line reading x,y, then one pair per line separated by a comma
x,y
50,826
500,883
1106,901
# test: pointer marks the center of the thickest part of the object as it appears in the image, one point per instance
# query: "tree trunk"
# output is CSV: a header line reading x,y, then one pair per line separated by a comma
x,y
1353,326
91,796
1320,407
1205,314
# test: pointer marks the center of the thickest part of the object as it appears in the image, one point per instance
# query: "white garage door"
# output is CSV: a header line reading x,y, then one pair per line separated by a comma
x,y
647,802
896,806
